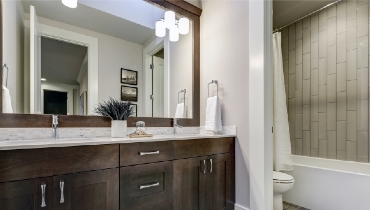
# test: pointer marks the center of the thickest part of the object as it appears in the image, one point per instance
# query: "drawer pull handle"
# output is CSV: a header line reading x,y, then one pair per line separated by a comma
x,y
204,164
150,185
61,184
149,153
43,186
210,170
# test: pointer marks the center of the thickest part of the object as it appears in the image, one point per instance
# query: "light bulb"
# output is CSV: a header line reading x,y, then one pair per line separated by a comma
x,y
169,19
160,28
174,34
183,25
70,3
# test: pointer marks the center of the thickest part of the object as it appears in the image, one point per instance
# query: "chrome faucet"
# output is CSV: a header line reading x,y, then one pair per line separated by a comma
x,y
55,127
176,125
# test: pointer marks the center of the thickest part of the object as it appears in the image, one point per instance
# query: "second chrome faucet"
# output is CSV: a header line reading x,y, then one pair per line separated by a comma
x,y
55,127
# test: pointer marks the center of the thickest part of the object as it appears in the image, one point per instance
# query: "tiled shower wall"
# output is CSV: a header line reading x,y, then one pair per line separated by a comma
x,y
326,67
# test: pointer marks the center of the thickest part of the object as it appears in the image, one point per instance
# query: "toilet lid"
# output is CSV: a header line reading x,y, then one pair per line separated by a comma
x,y
282,177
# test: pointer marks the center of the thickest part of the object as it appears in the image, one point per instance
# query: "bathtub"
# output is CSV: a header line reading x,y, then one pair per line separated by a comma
x,y
324,184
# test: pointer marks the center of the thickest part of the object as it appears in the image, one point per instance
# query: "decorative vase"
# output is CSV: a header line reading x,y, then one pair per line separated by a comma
x,y
119,129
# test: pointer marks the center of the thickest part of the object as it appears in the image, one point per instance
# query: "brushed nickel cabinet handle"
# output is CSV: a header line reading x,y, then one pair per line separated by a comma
x,y
43,186
150,185
210,170
61,184
149,153
204,164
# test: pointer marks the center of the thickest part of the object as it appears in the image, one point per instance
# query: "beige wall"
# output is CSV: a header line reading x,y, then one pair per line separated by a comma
x,y
114,54
327,78
181,72
224,56
13,43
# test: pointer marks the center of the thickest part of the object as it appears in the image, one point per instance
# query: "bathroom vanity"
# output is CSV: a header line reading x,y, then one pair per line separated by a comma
x,y
188,173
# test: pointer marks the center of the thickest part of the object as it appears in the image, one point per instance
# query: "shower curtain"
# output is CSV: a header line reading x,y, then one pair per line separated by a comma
x,y
282,147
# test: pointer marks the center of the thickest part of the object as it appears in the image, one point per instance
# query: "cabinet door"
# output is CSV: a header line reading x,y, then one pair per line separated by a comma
x,y
96,190
27,195
220,182
189,183
145,185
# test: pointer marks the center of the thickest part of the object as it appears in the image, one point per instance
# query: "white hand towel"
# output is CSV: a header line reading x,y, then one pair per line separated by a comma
x,y
213,115
7,103
180,110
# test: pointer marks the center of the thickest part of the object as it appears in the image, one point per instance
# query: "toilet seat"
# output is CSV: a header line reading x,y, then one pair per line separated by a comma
x,y
279,177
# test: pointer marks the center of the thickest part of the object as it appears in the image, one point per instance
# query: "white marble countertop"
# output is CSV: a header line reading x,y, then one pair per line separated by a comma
x,y
46,143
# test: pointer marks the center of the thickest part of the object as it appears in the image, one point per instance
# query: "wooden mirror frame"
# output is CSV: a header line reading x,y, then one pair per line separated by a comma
x,y
36,120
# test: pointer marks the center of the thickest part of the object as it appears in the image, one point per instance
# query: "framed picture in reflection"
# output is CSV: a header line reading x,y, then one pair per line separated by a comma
x,y
128,93
134,110
128,77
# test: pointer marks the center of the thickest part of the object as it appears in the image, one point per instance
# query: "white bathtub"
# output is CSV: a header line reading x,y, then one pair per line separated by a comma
x,y
324,184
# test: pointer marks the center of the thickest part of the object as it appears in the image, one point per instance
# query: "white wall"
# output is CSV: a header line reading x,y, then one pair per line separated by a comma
x,y
60,88
13,52
114,54
224,56
181,72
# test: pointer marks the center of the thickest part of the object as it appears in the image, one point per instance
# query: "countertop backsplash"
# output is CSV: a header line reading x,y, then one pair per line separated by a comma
x,y
68,133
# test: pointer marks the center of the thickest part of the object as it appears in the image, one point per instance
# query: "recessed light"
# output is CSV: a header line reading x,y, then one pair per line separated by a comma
x,y
43,79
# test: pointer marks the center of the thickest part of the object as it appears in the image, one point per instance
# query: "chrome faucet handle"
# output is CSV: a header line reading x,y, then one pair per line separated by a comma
x,y
54,127
175,123
55,120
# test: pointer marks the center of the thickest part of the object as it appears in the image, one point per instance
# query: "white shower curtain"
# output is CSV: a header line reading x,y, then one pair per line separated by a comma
x,y
282,147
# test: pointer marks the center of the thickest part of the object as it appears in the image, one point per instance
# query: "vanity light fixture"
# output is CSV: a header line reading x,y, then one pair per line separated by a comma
x,y
183,25
169,19
43,79
160,28
70,3
176,27
174,34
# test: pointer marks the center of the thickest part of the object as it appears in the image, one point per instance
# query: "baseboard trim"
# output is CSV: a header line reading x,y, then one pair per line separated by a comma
x,y
239,207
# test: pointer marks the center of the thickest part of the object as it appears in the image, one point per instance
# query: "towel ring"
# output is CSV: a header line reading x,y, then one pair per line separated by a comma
x,y
7,73
213,82
178,97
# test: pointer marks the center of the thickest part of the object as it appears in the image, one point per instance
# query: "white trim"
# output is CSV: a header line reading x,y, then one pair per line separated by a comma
x,y
238,207
152,48
92,44
83,69
260,105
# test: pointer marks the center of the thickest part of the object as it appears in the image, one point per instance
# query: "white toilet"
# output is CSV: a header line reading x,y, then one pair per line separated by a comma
x,y
282,184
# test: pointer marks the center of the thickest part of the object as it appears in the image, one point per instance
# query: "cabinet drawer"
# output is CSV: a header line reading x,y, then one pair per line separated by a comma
x,y
145,185
146,152
32,163
168,205
202,147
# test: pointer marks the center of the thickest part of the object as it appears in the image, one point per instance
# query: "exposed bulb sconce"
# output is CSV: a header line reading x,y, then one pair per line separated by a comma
x,y
176,27
70,3
160,28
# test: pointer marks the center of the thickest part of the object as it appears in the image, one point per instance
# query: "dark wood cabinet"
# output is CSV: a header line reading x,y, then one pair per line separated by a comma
x,y
182,175
204,183
96,190
219,182
189,183
32,194
142,186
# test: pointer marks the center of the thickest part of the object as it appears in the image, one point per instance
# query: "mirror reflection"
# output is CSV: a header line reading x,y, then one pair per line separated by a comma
x,y
63,60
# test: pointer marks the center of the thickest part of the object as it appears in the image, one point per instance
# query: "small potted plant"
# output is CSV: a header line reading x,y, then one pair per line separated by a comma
x,y
118,111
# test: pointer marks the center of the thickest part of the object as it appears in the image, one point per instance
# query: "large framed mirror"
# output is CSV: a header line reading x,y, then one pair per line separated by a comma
x,y
62,60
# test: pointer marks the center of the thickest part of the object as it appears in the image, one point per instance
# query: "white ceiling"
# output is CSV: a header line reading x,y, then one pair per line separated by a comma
x,y
285,12
61,61
108,19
